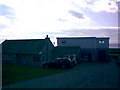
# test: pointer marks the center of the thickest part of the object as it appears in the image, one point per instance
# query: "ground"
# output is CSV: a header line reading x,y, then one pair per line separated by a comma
x,y
85,75
16,73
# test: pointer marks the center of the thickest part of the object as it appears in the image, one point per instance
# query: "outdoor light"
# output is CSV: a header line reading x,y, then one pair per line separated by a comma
x,y
101,41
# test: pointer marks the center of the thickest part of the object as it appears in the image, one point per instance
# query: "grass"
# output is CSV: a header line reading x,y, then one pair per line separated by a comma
x,y
114,51
12,74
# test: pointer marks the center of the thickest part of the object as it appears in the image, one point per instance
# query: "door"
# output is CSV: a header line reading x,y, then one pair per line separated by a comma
x,y
89,57
102,55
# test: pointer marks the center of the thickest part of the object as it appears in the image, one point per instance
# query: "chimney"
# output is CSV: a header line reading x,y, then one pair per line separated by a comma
x,y
47,37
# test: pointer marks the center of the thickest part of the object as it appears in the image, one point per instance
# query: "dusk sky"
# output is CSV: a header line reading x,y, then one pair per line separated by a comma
x,y
34,19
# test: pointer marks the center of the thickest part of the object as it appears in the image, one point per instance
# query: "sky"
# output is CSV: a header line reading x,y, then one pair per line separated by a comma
x,y
34,19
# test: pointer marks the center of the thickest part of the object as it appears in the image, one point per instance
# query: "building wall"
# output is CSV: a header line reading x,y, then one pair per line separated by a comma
x,y
48,50
23,46
102,49
81,42
102,55
17,58
92,48
61,51
37,55
0,58
88,55
90,42
102,43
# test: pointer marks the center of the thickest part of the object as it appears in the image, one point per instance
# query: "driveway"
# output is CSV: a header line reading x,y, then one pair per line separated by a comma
x,y
85,75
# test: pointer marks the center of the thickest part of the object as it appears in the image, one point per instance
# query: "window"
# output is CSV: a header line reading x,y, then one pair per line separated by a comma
x,y
101,41
8,62
63,42
84,55
36,59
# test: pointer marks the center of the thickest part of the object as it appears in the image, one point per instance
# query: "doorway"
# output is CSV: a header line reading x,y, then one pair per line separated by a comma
x,y
102,55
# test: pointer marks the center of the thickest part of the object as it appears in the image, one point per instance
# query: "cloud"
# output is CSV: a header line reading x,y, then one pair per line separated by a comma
x,y
42,16
105,5
76,14
61,20
94,32
7,16
7,10
109,6
4,21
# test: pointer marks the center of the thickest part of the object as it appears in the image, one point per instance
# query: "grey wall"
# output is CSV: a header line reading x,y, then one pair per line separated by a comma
x,y
61,51
90,45
87,43
102,45
82,43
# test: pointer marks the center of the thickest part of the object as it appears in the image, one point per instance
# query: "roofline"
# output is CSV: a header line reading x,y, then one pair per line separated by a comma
x,y
28,40
22,39
67,47
103,38
83,38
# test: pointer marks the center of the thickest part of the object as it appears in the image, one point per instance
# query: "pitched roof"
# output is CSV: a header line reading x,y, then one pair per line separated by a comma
x,y
25,46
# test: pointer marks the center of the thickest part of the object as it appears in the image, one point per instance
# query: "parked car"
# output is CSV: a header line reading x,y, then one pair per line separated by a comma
x,y
74,58
59,63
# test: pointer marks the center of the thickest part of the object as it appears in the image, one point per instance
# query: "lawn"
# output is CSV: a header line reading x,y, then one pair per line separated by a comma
x,y
115,51
12,74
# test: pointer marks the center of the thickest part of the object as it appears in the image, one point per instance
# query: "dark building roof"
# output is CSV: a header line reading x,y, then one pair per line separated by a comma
x,y
25,46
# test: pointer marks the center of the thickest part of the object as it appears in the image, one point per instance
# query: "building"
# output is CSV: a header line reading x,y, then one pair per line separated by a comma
x,y
62,51
0,54
27,52
37,51
91,48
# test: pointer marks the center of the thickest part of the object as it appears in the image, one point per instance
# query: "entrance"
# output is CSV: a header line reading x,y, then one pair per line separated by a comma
x,y
102,55
89,57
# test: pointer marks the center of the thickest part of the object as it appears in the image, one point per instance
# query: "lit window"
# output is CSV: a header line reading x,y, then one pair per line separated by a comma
x,y
101,41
